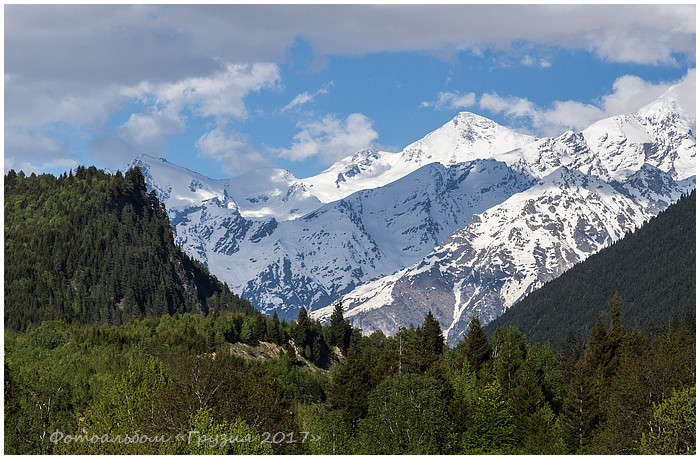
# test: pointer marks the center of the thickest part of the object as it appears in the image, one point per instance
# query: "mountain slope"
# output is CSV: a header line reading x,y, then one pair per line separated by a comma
x,y
653,270
510,250
94,247
310,261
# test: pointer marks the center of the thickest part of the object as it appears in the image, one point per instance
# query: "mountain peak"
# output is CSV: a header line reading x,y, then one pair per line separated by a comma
x,y
677,100
470,116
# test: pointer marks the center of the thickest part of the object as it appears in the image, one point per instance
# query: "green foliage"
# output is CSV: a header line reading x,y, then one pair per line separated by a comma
x,y
491,426
340,329
128,405
475,348
406,415
158,376
349,388
673,425
237,437
330,426
431,342
649,370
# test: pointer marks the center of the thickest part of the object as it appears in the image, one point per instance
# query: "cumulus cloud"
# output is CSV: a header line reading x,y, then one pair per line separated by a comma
x,y
629,93
80,64
160,109
231,150
219,96
511,106
452,100
330,138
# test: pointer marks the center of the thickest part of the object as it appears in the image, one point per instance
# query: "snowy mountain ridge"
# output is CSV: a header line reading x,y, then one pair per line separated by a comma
x,y
474,214
509,250
258,194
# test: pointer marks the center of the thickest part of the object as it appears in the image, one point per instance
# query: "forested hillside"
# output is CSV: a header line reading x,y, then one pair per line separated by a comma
x,y
72,388
652,269
94,247
115,342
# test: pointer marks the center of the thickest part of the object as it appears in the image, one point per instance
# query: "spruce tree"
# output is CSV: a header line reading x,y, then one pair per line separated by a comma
x,y
614,338
349,388
302,331
476,349
273,329
340,329
431,335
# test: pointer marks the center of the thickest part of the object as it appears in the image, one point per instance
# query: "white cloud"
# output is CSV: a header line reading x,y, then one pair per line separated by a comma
x,y
32,144
510,106
219,96
130,43
629,93
57,166
165,109
529,61
232,150
301,99
147,131
453,100
305,98
331,139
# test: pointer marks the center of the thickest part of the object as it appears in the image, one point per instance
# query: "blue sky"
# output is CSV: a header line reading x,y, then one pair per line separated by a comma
x,y
225,89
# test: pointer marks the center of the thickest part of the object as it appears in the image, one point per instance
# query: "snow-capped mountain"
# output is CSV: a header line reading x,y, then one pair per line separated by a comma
x,y
661,134
464,138
511,249
310,261
259,194
466,220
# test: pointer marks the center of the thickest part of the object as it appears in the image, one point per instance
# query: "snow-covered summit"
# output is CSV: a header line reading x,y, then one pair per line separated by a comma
x,y
464,138
258,194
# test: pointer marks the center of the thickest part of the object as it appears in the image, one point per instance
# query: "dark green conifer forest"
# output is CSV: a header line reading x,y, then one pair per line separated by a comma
x,y
91,247
120,344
